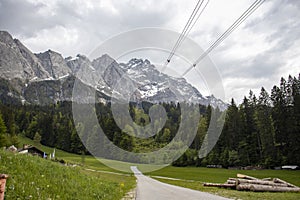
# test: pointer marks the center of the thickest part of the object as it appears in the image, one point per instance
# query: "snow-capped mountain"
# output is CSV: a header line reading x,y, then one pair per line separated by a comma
x,y
48,77
159,87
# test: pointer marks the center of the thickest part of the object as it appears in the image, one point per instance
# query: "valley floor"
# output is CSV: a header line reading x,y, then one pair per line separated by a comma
x,y
120,183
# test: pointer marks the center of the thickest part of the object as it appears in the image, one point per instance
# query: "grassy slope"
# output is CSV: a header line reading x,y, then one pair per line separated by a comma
x,y
200,175
36,178
125,183
87,161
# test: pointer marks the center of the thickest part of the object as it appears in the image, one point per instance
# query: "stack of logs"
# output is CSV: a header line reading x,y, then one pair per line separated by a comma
x,y
249,183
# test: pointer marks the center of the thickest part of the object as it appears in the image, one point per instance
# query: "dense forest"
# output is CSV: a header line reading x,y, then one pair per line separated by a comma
x,y
261,131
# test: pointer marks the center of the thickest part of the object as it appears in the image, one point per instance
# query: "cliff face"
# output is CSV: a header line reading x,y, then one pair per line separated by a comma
x,y
16,61
48,77
54,64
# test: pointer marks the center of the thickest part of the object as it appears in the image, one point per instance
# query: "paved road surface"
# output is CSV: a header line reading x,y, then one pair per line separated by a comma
x,y
150,189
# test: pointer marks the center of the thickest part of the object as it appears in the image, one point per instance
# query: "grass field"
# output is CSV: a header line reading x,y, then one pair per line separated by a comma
x,y
194,178
32,177
89,161
117,185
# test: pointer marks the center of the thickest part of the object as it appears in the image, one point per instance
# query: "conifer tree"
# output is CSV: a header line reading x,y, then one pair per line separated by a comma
x,y
3,130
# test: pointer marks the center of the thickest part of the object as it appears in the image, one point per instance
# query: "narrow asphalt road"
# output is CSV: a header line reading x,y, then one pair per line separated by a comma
x,y
150,189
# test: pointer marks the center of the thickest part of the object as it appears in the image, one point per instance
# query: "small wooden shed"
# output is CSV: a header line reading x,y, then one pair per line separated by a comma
x,y
29,149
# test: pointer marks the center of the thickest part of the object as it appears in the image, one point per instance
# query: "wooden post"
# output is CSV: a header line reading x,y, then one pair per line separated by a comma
x,y
3,178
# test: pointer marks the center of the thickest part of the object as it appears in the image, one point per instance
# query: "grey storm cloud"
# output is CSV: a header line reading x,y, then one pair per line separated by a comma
x,y
26,18
260,66
21,17
89,24
282,21
275,24
281,26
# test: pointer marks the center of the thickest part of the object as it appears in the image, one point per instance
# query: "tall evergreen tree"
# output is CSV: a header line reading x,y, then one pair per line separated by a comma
x,y
231,128
201,132
265,129
251,140
3,132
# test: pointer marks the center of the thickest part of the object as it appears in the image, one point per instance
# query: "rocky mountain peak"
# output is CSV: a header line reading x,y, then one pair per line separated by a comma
x,y
78,56
103,62
54,63
48,77
32,60
49,53
112,71
75,63
137,62
16,61
6,38
83,57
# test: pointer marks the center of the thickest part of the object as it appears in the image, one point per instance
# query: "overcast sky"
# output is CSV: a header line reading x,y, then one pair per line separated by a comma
x,y
263,49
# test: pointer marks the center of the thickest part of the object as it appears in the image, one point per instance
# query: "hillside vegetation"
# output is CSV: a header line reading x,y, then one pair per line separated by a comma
x,y
35,178
262,131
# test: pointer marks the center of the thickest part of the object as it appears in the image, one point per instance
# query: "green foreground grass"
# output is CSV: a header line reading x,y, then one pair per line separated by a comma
x,y
37,178
194,177
32,177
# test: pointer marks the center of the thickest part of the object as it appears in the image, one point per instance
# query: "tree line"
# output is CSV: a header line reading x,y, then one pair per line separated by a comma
x,y
262,130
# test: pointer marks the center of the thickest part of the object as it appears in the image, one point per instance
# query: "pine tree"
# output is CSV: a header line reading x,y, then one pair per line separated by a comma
x,y
265,129
201,132
296,97
37,138
94,142
294,120
231,128
251,142
279,116
166,136
3,132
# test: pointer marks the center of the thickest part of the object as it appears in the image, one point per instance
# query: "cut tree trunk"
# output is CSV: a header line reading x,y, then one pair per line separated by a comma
x,y
277,180
261,182
246,177
232,179
231,182
249,183
266,188
267,179
225,185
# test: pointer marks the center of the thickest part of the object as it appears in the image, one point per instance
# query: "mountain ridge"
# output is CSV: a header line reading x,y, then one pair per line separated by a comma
x,y
48,77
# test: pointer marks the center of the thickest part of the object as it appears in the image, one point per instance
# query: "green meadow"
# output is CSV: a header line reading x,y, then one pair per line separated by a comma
x,y
119,184
194,177
31,177
88,161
